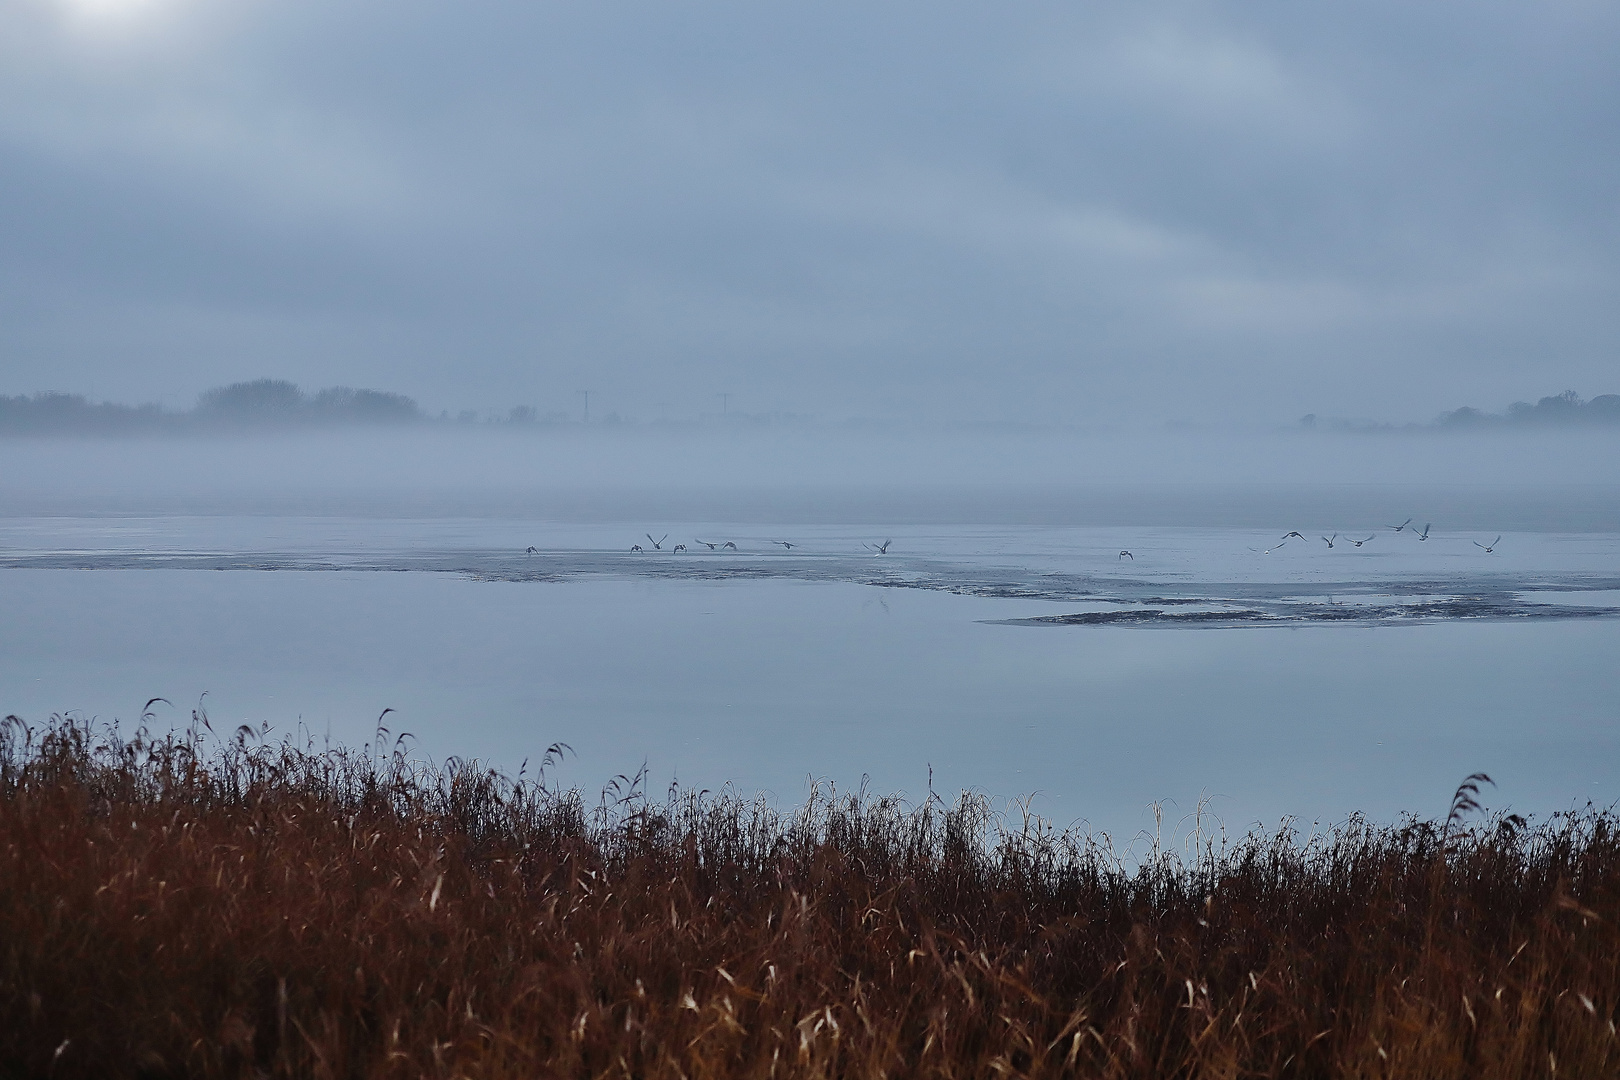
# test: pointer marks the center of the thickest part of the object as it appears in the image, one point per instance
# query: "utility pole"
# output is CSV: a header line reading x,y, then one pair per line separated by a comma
x,y
587,394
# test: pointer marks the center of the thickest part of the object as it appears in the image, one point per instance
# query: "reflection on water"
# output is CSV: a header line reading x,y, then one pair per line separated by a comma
x,y
764,683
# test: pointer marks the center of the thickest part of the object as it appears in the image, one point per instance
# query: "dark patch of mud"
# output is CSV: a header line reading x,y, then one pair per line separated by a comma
x,y
1143,617
1442,609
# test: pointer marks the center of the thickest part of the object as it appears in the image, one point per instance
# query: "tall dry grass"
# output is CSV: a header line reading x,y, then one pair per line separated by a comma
x,y
270,910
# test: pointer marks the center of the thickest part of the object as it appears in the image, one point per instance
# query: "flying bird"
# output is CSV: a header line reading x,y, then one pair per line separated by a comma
x,y
1328,540
1292,534
532,550
784,543
1268,550
1424,535
729,544
706,544
680,547
657,544
636,547
1488,548
1127,555
881,549
1402,525
1358,543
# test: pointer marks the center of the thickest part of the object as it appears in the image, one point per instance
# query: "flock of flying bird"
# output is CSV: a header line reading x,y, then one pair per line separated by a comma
x,y
883,548
658,545
1404,526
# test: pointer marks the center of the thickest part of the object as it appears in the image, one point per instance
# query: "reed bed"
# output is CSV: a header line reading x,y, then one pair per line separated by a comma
x,y
174,907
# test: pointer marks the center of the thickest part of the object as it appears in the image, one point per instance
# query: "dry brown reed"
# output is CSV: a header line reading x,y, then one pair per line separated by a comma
x,y
264,909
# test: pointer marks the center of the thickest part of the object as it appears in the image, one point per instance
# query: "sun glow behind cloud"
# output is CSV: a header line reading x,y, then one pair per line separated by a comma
x,y
107,14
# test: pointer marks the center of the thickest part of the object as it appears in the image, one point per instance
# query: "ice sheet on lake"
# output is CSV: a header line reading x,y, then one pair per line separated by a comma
x,y
1190,577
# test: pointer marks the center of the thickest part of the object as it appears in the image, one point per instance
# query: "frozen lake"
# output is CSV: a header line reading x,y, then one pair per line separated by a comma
x,y
1217,661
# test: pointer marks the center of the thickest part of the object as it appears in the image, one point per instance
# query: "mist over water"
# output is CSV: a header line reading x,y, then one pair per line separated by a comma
x,y
815,474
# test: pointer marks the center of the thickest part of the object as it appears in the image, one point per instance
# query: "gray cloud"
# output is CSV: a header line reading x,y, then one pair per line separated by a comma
x,y
1060,212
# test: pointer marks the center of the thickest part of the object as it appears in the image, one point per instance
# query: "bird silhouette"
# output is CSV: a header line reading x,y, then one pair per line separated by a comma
x,y
706,544
1488,548
1292,534
1402,525
729,544
532,550
1328,540
1268,550
881,549
680,547
657,544
1358,543
1424,535
784,543
636,547
1126,555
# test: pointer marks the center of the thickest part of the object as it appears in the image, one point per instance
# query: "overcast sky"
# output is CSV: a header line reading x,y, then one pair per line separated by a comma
x,y
1068,212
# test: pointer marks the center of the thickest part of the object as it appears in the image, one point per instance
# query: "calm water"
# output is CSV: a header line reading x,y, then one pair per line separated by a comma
x,y
768,667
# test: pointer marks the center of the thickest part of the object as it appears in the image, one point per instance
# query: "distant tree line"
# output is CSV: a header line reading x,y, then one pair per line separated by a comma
x,y
1565,410
1562,410
44,414
263,404
279,405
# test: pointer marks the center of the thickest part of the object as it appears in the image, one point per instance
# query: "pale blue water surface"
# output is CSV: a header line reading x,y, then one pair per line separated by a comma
x,y
1361,688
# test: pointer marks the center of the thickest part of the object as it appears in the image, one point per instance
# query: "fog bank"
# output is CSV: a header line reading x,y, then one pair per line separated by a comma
x,y
788,475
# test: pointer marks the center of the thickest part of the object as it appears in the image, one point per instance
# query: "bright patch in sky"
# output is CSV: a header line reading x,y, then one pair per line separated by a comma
x,y
106,10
